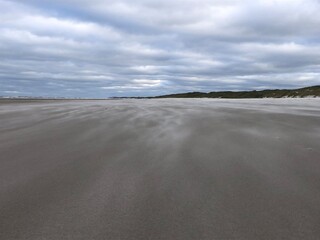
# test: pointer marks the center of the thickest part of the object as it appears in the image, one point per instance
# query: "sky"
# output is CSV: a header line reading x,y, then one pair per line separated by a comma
x,y
102,48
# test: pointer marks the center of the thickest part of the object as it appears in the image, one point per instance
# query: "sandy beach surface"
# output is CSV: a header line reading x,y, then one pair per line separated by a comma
x,y
160,169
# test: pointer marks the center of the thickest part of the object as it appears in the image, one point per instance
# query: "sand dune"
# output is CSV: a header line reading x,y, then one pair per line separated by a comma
x,y
160,169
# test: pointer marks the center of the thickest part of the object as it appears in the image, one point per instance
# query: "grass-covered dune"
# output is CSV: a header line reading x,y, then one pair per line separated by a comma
x,y
275,93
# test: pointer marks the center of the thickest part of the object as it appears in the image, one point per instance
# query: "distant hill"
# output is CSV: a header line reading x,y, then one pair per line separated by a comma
x,y
275,93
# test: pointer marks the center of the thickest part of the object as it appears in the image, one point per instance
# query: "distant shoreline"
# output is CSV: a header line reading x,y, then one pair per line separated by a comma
x,y
307,92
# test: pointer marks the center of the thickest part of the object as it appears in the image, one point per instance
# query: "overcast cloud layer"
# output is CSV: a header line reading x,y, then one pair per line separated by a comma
x,y
101,48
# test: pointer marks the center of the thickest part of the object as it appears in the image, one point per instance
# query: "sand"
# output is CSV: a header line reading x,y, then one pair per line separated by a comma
x,y
160,169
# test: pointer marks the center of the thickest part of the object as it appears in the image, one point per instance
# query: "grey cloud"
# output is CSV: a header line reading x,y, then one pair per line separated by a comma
x,y
140,48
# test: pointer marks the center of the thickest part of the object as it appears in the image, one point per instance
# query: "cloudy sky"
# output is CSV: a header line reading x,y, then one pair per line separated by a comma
x,y
103,48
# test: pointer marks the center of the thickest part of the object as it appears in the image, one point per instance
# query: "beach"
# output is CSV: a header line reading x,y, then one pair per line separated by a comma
x,y
160,169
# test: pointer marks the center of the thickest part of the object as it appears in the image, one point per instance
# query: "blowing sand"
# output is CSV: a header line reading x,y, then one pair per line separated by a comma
x,y
160,169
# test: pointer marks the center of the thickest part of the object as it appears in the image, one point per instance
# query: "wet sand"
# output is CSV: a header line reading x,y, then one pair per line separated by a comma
x,y
160,169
